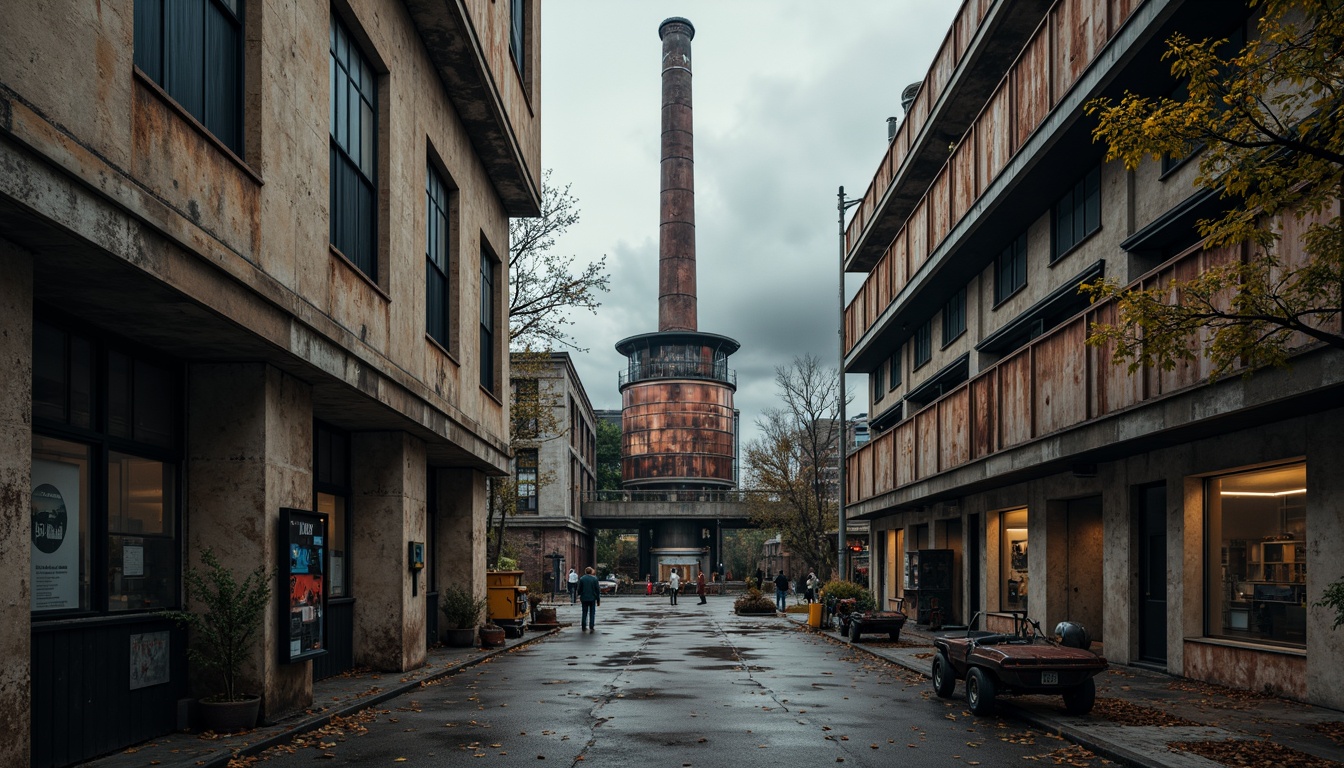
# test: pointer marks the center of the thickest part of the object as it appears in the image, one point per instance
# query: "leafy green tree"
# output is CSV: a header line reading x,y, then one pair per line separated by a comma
x,y
1265,121
608,456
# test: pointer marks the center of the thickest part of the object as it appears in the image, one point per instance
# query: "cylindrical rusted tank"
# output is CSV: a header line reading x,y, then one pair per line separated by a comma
x,y
676,231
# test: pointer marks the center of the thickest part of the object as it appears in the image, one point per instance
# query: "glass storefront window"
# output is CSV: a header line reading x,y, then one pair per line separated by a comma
x,y
60,525
334,507
141,510
1256,530
1013,561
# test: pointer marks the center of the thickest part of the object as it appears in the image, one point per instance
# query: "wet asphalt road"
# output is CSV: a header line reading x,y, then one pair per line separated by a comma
x,y
689,685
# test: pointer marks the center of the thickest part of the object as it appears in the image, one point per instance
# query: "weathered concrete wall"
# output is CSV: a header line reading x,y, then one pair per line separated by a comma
x,y
461,529
249,453
1280,673
16,462
388,505
1325,539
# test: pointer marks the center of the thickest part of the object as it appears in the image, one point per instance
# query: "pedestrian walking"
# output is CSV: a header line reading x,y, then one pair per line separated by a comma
x,y
760,579
590,596
648,584
781,591
573,585
673,584
813,584
700,586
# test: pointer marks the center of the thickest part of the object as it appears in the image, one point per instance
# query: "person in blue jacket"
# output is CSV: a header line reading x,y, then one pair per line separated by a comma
x,y
590,596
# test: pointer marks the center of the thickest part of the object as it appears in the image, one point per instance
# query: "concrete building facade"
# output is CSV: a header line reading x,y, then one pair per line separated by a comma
x,y
1190,524
239,292
554,473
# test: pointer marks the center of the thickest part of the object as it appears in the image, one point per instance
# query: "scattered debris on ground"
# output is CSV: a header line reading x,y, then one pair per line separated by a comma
x,y
1332,730
1246,753
1125,712
1074,756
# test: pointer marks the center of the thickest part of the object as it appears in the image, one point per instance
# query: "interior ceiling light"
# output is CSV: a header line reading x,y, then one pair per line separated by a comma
x,y
1289,492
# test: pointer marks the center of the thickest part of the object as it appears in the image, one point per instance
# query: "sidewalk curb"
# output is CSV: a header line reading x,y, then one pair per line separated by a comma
x,y
306,726
1102,747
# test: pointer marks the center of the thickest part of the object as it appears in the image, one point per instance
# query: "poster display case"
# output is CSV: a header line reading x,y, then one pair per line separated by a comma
x,y
303,571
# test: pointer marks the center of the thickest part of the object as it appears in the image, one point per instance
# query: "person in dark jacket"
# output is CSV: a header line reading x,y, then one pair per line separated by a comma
x,y
590,596
781,591
700,586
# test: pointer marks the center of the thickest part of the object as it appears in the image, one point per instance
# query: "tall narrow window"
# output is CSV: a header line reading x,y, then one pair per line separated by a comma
x,y
1077,214
487,350
894,380
924,343
879,386
1010,271
193,50
437,321
517,30
526,474
954,317
353,171
331,485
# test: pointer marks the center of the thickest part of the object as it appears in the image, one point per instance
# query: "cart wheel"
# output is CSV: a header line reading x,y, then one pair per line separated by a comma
x,y
979,691
855,631
944,680
1079,701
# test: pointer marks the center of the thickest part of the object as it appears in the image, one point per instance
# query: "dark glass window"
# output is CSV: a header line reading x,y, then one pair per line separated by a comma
x,y
105,500
526,474
1077,214
517,28
1010,271
923,343
895,377
487,322
353,171
193,50
437,321
879,386
954,317
331,485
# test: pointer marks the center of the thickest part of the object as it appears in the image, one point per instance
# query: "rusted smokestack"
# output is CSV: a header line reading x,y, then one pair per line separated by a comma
x,y
676,231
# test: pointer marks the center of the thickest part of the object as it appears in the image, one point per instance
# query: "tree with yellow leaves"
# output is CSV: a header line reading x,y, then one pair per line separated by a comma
x,y
1265,122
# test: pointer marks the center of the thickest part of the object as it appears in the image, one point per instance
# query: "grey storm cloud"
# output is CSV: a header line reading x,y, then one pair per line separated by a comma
x,y
791,100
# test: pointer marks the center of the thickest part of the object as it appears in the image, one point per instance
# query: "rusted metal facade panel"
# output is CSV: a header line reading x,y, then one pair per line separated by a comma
x,y
1015,399
904,444
944,64
964,186
1119,12
940,209
900,264
1114,387
675,430
926,447
865,464
917,236
1060,363
882,274
993,136
1079,29
984,434
1031,87
954,421
884,471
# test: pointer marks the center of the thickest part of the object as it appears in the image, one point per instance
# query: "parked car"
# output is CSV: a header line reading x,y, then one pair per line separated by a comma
x,y
1019,662
609,585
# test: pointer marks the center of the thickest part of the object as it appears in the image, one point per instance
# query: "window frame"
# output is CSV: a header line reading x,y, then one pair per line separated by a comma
x,y
879,384
151,30
1083,197
894,377
528,502
439,266
1012,260
923,346
489,322
954,317
345,241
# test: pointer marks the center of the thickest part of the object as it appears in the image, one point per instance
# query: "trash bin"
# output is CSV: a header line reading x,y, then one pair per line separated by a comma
x,y
814,615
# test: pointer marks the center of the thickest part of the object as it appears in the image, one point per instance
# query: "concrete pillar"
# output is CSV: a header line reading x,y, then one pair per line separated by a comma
x,y
1119,570
1048,523
1325,535
388,512
16,462
461,529
249,453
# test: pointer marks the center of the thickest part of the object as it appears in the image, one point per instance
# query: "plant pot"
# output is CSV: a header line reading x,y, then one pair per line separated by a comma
x,y
492,637
229,716
545,618
459,637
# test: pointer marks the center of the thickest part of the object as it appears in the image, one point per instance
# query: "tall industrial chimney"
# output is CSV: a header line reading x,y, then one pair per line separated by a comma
x,y
676,231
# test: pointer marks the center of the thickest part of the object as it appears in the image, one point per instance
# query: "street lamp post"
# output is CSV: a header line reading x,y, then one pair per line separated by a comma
x,y
841,535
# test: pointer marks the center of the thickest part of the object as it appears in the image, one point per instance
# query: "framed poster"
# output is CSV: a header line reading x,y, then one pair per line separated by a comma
x,y
303,561
55,535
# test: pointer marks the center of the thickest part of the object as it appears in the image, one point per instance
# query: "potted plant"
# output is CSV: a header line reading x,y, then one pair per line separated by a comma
x,y
224,629
754,604
462,611
492,635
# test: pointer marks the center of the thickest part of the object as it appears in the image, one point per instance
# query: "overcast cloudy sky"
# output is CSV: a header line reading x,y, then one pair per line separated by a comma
x,y
791,100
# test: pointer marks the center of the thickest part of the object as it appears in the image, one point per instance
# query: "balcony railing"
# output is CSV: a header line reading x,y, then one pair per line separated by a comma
x,y
1053,384
679,368
662,497
1058,53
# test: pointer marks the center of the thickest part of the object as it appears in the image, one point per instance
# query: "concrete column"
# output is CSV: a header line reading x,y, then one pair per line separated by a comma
x,y
1119,570
1325,535
249,453
1048,523
16,463
461,529
388,512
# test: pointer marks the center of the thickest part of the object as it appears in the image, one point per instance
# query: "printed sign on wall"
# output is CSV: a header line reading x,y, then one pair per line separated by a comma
x,y
55,547
149,659
305,536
